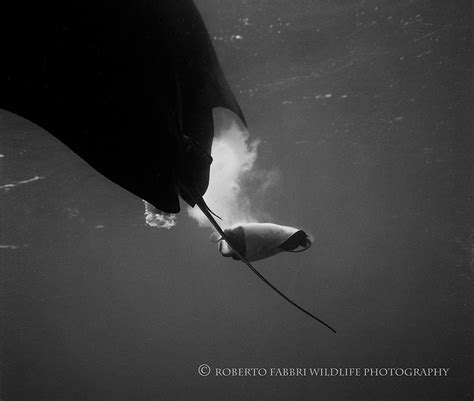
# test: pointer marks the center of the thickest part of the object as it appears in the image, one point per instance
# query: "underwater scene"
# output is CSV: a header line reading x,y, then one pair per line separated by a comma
x,y
346,187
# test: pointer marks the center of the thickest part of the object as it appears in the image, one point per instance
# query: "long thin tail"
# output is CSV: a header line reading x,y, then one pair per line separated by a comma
x,y
205,209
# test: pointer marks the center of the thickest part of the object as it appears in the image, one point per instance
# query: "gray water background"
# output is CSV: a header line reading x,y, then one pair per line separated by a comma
x,y
364,108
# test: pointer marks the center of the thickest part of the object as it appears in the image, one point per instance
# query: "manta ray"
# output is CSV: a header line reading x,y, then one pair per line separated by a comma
x,y
128,85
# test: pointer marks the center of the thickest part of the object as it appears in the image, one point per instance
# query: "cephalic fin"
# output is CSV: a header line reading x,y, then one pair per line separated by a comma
x,y
305,247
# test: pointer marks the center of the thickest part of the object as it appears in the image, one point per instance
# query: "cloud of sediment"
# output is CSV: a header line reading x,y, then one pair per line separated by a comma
x,y
234,176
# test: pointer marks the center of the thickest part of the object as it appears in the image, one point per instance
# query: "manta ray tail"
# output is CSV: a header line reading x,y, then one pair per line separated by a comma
x,y
205,209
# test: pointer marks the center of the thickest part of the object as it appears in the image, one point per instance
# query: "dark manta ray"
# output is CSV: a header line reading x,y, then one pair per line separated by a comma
x,y
128,85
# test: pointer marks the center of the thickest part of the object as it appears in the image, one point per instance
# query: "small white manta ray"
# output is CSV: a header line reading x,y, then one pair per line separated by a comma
x,y
257,241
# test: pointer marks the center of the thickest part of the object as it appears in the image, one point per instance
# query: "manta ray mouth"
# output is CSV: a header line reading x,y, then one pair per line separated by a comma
x,y
298,242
